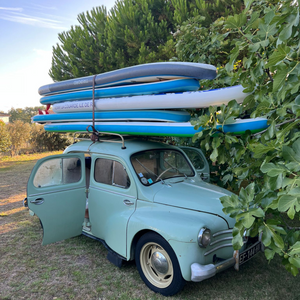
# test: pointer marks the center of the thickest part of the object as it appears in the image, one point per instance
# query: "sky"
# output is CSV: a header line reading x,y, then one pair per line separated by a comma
x,y
28,31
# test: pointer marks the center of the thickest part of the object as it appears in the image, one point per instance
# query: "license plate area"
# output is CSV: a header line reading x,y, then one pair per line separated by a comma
x,y
249,253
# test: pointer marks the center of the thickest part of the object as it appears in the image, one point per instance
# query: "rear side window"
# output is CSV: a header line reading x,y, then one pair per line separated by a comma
x,y
111,172
58,171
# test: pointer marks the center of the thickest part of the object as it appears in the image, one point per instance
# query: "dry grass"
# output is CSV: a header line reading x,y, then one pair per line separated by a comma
x,y
77,268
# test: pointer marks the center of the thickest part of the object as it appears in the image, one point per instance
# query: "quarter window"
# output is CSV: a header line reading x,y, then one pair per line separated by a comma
x,y
58,171
111,172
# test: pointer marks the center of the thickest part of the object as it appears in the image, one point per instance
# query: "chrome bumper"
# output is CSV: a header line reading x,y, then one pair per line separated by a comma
x,y
202,272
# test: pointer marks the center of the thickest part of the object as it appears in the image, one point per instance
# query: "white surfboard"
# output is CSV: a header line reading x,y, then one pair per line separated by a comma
x,y
198,99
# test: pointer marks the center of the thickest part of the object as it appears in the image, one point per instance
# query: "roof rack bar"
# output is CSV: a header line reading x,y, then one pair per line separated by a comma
x,y
106,133
114,134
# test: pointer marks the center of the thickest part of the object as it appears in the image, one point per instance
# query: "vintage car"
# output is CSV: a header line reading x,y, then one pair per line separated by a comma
x,y
143,200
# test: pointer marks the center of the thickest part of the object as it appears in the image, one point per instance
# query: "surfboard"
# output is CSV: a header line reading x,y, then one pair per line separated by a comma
x,y
197,99
184,129
136,74
176,85
144,115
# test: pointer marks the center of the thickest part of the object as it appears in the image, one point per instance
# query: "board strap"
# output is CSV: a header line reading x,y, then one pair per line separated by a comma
x,y
95,133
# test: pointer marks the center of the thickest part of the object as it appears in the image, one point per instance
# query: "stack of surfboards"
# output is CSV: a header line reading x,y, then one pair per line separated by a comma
x,y
139,100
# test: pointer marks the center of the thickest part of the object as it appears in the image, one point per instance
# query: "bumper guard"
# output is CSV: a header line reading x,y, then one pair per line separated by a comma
x,y
202,272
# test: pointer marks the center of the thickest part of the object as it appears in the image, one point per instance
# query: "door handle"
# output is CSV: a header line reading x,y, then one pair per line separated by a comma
x,y
128,202
37,201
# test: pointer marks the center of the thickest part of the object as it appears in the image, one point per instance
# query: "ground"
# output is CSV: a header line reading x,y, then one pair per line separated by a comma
x,y
78,269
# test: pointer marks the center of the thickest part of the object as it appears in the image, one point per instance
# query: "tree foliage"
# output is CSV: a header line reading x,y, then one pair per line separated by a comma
x,y
19,132
5,141
42,140
23,114
131,33
263,47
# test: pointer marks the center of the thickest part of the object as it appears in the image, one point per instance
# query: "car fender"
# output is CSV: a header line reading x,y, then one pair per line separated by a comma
x,y
179,227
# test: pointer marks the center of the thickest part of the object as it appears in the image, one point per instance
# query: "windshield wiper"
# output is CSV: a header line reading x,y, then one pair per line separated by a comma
x,y
175,169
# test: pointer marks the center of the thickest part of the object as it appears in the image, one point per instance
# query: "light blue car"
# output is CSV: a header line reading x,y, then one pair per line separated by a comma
x,y
143,200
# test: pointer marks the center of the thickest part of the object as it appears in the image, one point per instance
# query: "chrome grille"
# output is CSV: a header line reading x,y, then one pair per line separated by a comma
x,y
220,237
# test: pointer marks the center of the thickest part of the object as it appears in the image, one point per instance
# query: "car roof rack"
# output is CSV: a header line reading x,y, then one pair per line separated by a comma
x,y
114,135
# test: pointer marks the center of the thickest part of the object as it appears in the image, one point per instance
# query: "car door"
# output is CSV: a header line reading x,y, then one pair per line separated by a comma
x,y
112,200
56,194
199,161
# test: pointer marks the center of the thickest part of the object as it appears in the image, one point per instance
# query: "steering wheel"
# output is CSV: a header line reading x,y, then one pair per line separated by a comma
x,y
162,173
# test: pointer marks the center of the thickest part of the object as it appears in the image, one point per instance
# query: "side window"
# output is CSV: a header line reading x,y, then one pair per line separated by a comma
x,y
111,172
58,171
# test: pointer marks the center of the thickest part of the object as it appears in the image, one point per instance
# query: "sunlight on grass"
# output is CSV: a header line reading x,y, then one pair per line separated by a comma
x,y
8,227
12,211
27,157
14,199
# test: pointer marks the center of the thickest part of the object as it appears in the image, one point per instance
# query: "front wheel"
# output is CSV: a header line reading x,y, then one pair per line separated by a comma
x,y
158,265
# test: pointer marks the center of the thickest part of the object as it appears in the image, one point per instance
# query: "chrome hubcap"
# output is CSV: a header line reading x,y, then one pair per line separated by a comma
x,y
159,262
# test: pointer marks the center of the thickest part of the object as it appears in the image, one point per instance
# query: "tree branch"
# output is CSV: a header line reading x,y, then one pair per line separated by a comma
x,y
277,125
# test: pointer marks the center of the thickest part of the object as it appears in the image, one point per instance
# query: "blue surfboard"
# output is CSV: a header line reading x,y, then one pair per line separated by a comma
x,y
184,129
143,115
176,85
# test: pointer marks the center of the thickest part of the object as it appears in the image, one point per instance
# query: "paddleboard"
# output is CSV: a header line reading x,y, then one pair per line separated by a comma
x,y
144,115
184,129
135,74
176,85
198,99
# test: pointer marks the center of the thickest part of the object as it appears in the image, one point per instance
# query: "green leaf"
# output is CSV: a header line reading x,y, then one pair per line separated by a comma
x,y
246,218
271,169
266,236
294,191
269,253
248,3
288,203
230,201
292,269
293,166
214,155
295,261
295,249
279,78
257,212
278,240
236,21
276,182
270,131
286,33
237,242
290,155
233,56
265,30
260,149
269,16
278,56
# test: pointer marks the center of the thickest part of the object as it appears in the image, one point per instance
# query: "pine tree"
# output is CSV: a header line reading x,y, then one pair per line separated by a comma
x,y
132,32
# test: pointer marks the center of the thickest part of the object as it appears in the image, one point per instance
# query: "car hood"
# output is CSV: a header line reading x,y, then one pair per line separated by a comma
x,y
198,196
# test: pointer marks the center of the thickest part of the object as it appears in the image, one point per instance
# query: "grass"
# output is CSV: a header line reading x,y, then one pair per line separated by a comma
x,y
77,268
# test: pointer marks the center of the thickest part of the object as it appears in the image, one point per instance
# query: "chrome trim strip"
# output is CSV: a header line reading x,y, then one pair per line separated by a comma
x,y
221,240
217,248
113,192
222,232
62,190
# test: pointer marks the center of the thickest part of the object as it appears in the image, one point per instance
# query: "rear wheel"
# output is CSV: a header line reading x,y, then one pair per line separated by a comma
x,y
158,265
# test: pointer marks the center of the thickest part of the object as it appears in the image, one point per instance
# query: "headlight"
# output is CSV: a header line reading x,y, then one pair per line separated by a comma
x,y
204,237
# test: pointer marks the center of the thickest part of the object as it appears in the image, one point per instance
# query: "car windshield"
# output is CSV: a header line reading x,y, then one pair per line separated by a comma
x,y
155,165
